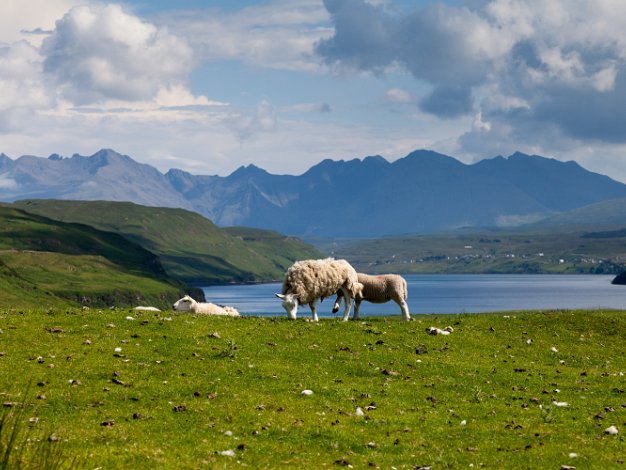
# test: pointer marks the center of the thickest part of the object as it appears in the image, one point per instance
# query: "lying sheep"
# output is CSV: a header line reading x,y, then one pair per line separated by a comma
x,y
143,308
187,304
309,280
378,290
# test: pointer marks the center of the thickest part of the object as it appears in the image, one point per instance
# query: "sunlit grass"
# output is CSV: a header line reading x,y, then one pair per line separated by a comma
x,y
122,389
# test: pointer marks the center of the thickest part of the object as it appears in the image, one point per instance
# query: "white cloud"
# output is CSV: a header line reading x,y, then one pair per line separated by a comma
x,y
101,53
398,95
19,17
279,34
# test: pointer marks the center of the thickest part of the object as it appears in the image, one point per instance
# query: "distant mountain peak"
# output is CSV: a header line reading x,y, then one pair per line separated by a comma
x,y
423,192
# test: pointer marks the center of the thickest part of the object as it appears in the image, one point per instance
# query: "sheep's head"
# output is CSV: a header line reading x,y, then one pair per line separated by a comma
x,y
290,304
184,304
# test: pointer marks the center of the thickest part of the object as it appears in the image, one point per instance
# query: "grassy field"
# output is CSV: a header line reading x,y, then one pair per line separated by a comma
x,y
119,389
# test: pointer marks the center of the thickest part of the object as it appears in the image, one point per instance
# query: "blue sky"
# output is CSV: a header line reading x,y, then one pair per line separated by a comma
x,y
208,86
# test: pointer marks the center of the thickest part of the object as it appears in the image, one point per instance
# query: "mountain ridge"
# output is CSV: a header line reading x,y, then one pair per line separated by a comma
x,y
423,192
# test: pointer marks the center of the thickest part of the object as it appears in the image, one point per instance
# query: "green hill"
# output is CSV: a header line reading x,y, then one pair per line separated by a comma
x,y
190,247
44,262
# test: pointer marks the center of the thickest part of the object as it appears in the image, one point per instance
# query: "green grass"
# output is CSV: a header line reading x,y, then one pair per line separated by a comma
x,y
183,389
44,262
190,246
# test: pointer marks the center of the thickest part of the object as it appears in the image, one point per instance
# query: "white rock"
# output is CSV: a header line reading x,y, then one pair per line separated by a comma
x,y
560,403
572,455
359,411
553,349
463,423
611,430
228,453
307,392
130,318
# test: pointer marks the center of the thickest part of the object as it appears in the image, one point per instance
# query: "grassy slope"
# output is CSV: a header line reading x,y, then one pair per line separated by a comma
x,y
491,251
190,246
177,395
43,261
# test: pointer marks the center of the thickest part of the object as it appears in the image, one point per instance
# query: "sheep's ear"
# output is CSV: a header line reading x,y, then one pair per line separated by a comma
x,y
280,296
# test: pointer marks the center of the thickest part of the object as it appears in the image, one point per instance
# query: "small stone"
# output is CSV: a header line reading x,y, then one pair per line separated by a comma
x,y
53,438
228,453
359,412
612,430
307,392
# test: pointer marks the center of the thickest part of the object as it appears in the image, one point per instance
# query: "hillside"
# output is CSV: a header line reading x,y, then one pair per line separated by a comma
x,y
190,247
523,250
424,192
47,262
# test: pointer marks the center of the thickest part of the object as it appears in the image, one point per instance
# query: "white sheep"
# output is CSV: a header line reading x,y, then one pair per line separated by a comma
x,y
143,308
187,304
378,290
309,280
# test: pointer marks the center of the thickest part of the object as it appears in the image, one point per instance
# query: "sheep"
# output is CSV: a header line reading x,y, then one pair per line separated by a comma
x,y
309,280
187,304
146,309
379,289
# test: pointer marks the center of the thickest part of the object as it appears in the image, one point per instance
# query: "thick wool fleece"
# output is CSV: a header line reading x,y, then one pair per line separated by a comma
x,y
315,279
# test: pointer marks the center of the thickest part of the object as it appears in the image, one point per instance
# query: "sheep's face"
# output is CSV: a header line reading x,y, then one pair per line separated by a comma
x,y
184,304
290,304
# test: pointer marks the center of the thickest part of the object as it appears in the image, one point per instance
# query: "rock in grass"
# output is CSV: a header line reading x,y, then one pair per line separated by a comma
x,y
307,392
612,430
228,453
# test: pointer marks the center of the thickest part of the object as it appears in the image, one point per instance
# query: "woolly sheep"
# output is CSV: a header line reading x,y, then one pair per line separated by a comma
x,y
309,280
187,304
146,309
378,290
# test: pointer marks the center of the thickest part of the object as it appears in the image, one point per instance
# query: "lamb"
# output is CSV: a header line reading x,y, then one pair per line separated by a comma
x,y
309,280
187,304
378,290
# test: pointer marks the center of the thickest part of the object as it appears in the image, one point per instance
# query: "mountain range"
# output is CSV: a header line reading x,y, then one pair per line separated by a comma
x,y
423,192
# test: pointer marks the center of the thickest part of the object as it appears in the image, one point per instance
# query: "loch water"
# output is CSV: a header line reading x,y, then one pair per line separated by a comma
x,y
451,293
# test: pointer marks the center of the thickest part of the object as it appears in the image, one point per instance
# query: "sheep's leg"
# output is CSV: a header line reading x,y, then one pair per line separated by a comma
x,y
404,307
337,303
357,304
313,306
348,301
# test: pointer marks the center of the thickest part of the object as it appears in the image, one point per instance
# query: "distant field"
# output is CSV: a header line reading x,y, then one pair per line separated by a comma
x,y
117,389
559,250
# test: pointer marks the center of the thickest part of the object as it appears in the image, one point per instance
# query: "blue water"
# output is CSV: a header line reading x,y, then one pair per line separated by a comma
x,y
451,293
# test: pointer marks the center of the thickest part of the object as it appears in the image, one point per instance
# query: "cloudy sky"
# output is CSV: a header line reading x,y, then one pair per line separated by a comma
x,y
209,85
